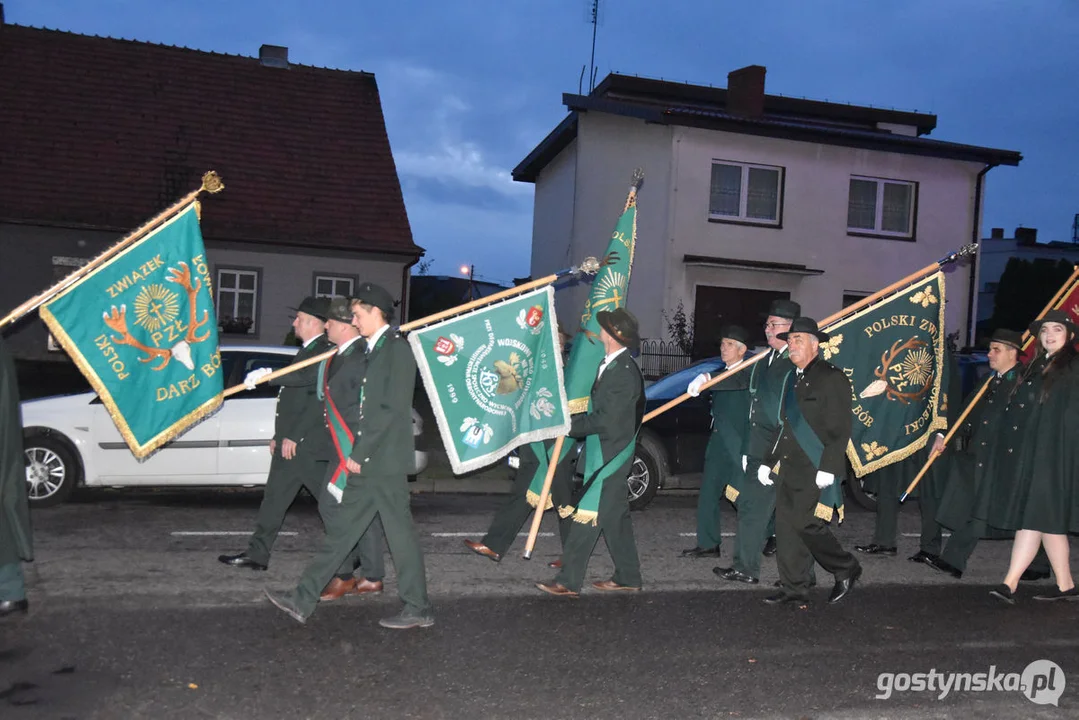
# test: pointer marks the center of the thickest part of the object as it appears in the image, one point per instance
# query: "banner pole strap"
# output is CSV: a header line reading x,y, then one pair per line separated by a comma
x,y
211,183
831,319
1027,339
533,533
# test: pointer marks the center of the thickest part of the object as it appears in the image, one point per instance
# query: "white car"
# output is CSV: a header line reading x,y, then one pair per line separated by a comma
x,y
71,440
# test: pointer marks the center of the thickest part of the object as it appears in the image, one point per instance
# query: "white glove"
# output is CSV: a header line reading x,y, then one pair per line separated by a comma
x,y
745,462
824,479
254,376
762,475
694,388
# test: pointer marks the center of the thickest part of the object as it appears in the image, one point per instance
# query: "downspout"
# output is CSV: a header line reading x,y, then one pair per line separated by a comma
x,y
406,288
972,290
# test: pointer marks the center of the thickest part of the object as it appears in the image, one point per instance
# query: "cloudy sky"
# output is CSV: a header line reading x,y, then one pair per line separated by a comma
x,y
469,87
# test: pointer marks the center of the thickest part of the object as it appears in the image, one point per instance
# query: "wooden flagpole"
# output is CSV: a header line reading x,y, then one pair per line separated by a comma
x,y
1027,339
831,319
589,266
211,183
533,532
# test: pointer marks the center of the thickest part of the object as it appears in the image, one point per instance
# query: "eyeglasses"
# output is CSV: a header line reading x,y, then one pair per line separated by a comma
x,y
774,325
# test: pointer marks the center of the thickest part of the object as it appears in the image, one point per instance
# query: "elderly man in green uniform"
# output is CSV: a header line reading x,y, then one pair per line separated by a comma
x,y
378,452
16,541
609,430
756,503
723,456
966,499
808,464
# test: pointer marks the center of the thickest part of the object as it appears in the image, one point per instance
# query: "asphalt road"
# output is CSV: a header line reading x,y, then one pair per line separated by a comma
x,y
132,616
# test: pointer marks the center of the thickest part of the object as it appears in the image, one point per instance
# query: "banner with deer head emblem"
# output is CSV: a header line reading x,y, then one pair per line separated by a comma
x,y
142,329
893,354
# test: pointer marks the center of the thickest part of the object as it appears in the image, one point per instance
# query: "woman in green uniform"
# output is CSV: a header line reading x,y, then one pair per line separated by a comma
x,y
1042,504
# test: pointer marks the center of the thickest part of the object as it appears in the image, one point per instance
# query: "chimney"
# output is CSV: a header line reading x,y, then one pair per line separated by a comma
x,y
273,56
745,91
996,234
1026,236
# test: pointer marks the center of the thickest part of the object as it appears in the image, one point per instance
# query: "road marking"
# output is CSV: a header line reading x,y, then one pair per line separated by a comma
x,y
481,534
695,534
947,534
207,533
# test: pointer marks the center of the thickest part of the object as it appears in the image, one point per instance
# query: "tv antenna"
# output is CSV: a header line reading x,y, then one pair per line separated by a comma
x,y
595,18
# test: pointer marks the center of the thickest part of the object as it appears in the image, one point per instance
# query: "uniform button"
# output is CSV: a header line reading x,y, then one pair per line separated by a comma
x,y
980,464
1015,427
1009,449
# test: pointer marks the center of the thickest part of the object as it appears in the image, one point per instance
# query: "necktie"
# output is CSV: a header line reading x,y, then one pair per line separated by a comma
x,y
771,357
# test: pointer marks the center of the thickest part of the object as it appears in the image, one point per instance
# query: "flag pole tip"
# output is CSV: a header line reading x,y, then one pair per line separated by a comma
x,y
211,182
527,556
637,179
590,266
903,498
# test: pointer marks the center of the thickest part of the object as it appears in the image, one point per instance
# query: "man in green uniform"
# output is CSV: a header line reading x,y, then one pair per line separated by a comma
x,y
757,503
372,480
16,541
965,495
809,461
609,430
723,456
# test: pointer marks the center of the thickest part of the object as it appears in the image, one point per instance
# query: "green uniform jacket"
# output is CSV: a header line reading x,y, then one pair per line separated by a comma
x,y
384,443
16,540
730,409
766,391
616,412
344,380
965,496
300,416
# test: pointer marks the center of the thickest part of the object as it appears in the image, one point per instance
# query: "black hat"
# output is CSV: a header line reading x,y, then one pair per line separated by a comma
x,y
785,309
376,296
316,306
1056,316
1005,336
804,325
735,332
340,309
622,326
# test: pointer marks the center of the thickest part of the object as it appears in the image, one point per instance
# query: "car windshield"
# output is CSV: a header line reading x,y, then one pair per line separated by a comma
x,y
673,385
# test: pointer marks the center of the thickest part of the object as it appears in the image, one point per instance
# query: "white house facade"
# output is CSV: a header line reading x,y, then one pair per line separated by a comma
x,y
749,197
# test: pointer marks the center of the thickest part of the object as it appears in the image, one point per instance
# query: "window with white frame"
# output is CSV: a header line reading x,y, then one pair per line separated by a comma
x,y
334,286
881,207
237,301
745,192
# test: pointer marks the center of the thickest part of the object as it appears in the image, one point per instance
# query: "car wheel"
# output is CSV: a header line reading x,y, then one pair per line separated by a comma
x,y
646,473
860,495
51,470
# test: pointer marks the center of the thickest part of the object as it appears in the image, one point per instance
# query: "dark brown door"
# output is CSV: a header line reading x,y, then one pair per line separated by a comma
x,y
719,306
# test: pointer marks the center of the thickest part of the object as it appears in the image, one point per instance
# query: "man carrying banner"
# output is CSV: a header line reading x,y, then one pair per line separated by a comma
x,y
298,449
756,503
723,456
16,541
372,480
609,430
809,457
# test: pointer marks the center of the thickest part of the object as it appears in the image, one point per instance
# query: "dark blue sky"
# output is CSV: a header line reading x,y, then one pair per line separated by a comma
x,y
469,87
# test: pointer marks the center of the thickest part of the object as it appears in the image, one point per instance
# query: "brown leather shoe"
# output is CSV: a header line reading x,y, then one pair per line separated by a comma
x,y
366,587
612,586
337,589
556,564
481,549
555,588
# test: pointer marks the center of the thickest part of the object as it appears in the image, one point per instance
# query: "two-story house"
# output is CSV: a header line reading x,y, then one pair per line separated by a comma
x,y
98,134
748,197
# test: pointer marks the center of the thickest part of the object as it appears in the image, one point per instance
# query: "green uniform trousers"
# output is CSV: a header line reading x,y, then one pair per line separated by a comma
x,y
614,523
711,496
756,520
887,525
366,498
12,585
513,513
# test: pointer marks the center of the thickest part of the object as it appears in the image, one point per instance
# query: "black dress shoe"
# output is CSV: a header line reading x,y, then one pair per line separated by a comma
x,y
843,587
769,547
922,557
240,560
875,549
1058,594
1003,592
944,567
735,575
782,597
696,552
1033,576
8,607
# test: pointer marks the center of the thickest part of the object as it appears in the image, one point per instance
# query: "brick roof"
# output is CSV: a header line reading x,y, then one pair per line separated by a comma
x,y
103,132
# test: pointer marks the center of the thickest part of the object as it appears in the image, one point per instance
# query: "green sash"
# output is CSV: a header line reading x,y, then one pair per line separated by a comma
x,y
339,431
831,497
543,455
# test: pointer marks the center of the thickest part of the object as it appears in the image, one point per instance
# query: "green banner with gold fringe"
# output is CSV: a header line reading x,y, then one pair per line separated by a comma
x,y
141,327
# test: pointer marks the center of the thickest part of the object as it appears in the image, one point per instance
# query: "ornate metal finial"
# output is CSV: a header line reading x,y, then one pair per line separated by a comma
x,y
637,180
968,250
590,266
211,182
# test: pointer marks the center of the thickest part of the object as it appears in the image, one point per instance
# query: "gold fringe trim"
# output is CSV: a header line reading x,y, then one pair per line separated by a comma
x,y
586,517
578,405
731,494
564,511
826,512
533,500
